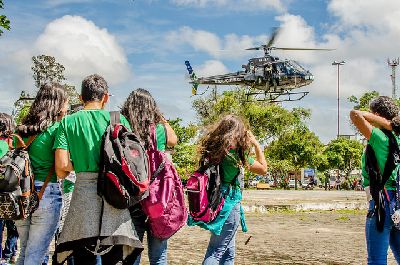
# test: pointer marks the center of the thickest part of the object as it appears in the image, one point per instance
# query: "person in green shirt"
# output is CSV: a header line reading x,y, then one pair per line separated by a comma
x,y
228,142
142,112
77,148
7,127
380,230
40,124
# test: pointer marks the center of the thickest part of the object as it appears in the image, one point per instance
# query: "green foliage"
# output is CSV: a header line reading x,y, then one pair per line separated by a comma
x,y
300,148
344,154
184,155
47,70
22,106
185,133
362,103
73,95
4,21
185,160
267,121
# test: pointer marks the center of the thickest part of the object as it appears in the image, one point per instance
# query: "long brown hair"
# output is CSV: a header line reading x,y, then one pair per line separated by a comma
x,y
230,132
45,109
141,110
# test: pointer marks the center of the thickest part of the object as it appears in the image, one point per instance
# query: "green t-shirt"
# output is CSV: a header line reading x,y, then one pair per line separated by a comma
x,y
3,148
230,166
161,136
81,134
380,144
41,153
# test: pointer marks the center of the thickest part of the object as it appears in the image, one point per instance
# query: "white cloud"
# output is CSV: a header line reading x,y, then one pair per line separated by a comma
x,y
211,67
200,40
77,43
83,48
238,5
230,46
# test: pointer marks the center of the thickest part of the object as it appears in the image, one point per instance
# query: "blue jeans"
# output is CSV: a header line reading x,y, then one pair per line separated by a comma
x,y
37,231
379,242
221,249
157,248
10,249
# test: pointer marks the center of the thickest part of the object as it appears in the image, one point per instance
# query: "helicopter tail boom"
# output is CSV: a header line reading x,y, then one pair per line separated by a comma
x,y
193,78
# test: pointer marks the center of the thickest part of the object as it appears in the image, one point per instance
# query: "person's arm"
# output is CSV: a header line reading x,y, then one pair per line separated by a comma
x,y
260,164
364,122
172,139
63,164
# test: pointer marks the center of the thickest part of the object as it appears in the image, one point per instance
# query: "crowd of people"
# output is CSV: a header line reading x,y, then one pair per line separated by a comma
x,y
68,147
65,148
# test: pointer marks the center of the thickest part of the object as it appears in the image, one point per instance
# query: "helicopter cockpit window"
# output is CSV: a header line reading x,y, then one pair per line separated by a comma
x,y
294,68
252,67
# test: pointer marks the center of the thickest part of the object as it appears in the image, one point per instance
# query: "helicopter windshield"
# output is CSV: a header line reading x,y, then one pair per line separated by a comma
x,y
293,68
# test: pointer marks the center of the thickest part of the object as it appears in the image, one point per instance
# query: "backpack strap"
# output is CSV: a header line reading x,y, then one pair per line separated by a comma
x,y
47,180
115,117
22,143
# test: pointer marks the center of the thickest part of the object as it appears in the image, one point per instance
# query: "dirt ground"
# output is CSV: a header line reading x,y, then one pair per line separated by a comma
x,y
285,237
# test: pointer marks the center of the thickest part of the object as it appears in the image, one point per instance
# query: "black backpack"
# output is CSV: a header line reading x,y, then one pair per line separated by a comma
x,y
378,179
18,197
124,177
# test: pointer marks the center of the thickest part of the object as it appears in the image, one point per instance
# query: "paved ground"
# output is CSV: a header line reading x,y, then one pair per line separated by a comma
x,y
305,200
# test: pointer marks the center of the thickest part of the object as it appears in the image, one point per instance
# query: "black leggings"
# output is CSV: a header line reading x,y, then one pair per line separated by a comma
x,y
85,257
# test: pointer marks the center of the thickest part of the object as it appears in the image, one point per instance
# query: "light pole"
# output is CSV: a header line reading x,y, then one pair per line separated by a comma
x,y
338,64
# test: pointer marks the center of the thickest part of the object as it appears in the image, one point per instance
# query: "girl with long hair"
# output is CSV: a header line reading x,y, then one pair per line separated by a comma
x,y
142,113
376,126
39,127
228,143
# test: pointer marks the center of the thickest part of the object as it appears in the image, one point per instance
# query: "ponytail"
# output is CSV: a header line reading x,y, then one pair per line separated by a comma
x,y
396,125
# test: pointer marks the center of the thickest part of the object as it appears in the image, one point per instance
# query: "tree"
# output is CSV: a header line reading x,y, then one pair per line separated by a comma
x,y
4,21
294,150
45,70
362,103
184,156
344,154
267,121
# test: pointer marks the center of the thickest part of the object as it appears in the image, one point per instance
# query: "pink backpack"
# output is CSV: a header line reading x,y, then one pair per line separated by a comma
x,y
204,193
165,205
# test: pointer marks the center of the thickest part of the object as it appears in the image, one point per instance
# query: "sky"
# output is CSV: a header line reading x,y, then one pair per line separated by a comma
x,y
144,43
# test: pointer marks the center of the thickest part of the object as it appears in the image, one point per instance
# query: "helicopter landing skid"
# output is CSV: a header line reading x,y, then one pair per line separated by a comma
x,y
275,97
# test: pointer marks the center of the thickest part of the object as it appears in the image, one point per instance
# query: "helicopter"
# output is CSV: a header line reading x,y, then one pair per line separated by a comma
x,y
267,78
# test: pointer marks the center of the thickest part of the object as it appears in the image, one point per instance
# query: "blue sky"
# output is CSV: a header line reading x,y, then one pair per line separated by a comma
x,y
144,43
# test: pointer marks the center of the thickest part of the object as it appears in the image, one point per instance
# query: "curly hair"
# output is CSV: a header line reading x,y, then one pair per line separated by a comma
x,y
7,125
230,132
385,107
141,110
45,110
94,87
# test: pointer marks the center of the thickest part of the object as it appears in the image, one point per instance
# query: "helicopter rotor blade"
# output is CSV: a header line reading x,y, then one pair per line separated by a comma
x,y
254,49
301,49
275,33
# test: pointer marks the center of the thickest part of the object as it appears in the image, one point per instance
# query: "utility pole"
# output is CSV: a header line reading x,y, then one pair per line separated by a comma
x,y
338,64
394,63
